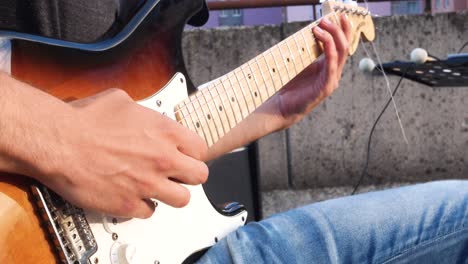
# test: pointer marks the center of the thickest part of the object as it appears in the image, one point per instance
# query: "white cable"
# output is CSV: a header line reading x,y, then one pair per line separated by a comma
x,y
387,82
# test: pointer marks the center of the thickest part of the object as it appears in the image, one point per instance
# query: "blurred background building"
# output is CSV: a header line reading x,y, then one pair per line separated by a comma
x,y
277,15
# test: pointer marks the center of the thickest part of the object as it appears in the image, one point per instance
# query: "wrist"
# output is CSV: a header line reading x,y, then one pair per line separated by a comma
x,y
279,119
29,128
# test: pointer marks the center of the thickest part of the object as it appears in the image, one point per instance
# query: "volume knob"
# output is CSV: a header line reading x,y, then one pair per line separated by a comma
x,y
127,254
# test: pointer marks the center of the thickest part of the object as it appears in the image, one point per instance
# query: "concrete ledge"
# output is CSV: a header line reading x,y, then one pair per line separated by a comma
x,y
278,201
328,147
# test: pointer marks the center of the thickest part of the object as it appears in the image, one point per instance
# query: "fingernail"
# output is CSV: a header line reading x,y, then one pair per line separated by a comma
x,y
318,30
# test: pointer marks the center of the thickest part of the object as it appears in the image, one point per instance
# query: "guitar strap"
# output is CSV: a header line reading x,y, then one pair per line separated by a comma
x,y
82,21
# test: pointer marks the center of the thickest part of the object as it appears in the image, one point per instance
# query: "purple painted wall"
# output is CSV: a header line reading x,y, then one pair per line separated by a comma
x,y
381,9
262,16
274,15
213,20
252,16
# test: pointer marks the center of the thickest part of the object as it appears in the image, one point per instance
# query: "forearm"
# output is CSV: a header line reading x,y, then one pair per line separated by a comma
x,y
279,112
263,121
26,114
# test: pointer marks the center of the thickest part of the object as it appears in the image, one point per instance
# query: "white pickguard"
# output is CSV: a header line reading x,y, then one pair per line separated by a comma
x,y
170,235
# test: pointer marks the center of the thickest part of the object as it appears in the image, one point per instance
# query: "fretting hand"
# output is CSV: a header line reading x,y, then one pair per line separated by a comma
x,y
321,78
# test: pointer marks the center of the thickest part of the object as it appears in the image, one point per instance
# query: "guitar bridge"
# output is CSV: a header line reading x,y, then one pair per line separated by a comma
x,y
67,226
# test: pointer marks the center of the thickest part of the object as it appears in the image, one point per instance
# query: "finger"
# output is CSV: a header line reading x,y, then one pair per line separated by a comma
x,y
172,193
126,207
340,40
190,143
189,170
346,27
330,52
144,209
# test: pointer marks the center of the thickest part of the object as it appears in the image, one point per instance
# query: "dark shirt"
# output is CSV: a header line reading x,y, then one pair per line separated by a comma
x,y
73,20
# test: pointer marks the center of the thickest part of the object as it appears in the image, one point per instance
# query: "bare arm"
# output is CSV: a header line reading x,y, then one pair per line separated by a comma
x,y
109,154
299,96
105,153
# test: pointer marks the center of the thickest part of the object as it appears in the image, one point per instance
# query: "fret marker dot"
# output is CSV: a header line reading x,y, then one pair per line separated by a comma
x,y
273,70
287,60
250,76
303,49
256,94
220,108
233,99
209,117
198,125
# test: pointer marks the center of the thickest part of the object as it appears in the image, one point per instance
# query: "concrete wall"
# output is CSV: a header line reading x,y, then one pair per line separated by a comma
x,y
328,147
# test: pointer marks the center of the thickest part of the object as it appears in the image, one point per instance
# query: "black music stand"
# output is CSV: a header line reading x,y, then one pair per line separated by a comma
x,y
452,72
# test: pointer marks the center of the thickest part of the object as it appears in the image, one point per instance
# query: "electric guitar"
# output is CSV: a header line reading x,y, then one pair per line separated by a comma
x,y
145,60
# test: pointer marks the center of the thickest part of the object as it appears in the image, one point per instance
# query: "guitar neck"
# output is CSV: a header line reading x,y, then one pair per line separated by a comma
x,y
212,112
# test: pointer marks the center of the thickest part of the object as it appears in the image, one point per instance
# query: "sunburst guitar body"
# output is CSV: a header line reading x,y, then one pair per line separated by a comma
x,y
145,60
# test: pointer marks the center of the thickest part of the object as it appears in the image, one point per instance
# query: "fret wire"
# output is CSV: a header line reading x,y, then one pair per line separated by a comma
x,y
277,68
194,125
237,99
216,107
307,46
337,21
248,84
211,114
305,42
264,82
263,77
269,71
292,56
261,71
229,99
255,80
299,49
184,118
242,91
284,61
314,41
204,116
182,121
224,107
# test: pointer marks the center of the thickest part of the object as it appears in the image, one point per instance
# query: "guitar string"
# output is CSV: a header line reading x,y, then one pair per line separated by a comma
x,y
309,27
233,113
205,122
226,77
224,95
389,90
381,69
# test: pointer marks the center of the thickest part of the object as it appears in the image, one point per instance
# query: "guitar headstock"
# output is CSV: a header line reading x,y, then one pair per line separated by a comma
x,y
359,17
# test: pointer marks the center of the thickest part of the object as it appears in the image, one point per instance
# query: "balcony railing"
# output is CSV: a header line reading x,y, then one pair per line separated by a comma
x,y
239,4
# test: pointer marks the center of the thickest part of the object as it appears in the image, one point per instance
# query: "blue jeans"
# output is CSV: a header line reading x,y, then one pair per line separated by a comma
x,y
424,223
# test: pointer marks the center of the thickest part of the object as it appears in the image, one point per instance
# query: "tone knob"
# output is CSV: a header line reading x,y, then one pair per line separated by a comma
x,y
127,254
